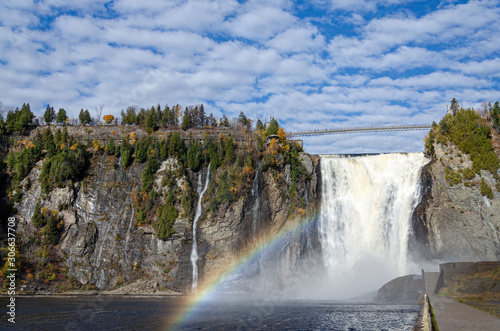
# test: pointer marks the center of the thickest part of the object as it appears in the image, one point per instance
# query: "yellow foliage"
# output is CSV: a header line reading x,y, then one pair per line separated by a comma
x,y
67,120
233,190
97,145
282,135
222,137
132,138
113,133
74,147
63,146
108,119
301,211
273,147
27,143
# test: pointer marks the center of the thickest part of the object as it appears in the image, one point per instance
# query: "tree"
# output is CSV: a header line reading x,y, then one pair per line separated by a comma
x,y
203,117
98,111
19,120
84,117
495,116
61,116
454,105
38,219
108,119
151,121
244,121
282,136
111,146
130,117
273,127
187,122
50,115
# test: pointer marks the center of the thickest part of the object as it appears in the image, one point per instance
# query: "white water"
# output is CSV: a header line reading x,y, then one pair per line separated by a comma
x,y
256,207
194,251
364,224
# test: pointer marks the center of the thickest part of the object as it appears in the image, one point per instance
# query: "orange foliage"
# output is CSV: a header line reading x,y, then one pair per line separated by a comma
x,y
113,133
222,137
108,119
273,147
132,138
27,143
282,135
97,145
74,147
63,146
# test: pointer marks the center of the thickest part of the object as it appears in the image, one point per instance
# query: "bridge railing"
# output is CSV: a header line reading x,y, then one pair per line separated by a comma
x,y
361,129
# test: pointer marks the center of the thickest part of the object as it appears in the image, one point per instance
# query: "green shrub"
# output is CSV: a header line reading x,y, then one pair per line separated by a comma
x,y
38,219
51,230
469,174
486,189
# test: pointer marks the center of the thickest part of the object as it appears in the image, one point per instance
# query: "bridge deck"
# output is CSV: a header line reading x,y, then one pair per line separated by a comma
x,y
361,129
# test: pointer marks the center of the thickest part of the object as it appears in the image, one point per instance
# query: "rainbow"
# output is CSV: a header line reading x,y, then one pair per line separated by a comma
x,y
208,288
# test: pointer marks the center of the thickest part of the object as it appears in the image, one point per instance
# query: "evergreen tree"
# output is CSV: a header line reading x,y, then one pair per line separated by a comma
x,y
203,117
51,230
273,127
151,121
229,154
49,115
111,146
84,117
38,219
61,116
187,121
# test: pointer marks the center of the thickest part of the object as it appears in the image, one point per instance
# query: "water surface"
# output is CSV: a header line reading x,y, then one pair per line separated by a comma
x,y
158,313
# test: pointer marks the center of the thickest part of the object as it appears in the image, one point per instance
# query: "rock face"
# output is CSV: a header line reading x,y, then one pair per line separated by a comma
x,y
456,223
400,291
101,245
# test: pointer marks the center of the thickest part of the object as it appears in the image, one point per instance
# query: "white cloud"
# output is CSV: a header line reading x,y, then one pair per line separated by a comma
x,y
260,24
260,57
300,39
432,81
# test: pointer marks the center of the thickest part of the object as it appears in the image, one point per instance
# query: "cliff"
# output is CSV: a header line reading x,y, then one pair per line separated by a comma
x,y
104,245
456,219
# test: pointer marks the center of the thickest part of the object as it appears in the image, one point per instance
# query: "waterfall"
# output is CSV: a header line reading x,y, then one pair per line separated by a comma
x,y
256,207
365,219
194,251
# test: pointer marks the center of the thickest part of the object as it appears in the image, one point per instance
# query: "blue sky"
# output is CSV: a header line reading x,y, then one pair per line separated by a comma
x,y
311,64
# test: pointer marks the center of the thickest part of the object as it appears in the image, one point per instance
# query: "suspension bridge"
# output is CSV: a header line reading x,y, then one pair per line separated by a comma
x,y
384,128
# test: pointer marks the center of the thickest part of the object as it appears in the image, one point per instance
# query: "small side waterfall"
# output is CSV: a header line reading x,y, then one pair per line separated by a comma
x,y
364,225
194,251
256,195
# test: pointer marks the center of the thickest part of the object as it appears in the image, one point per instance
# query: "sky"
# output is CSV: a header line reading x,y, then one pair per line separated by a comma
x,y
311,64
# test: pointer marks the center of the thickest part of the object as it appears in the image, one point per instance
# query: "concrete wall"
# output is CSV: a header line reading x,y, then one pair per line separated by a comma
x,y
452,270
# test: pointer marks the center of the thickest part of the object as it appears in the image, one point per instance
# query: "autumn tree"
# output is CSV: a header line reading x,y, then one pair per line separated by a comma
x,y
108,119
282,136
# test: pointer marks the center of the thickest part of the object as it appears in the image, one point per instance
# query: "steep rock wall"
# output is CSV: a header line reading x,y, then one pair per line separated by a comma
x,y
101,245
455,223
